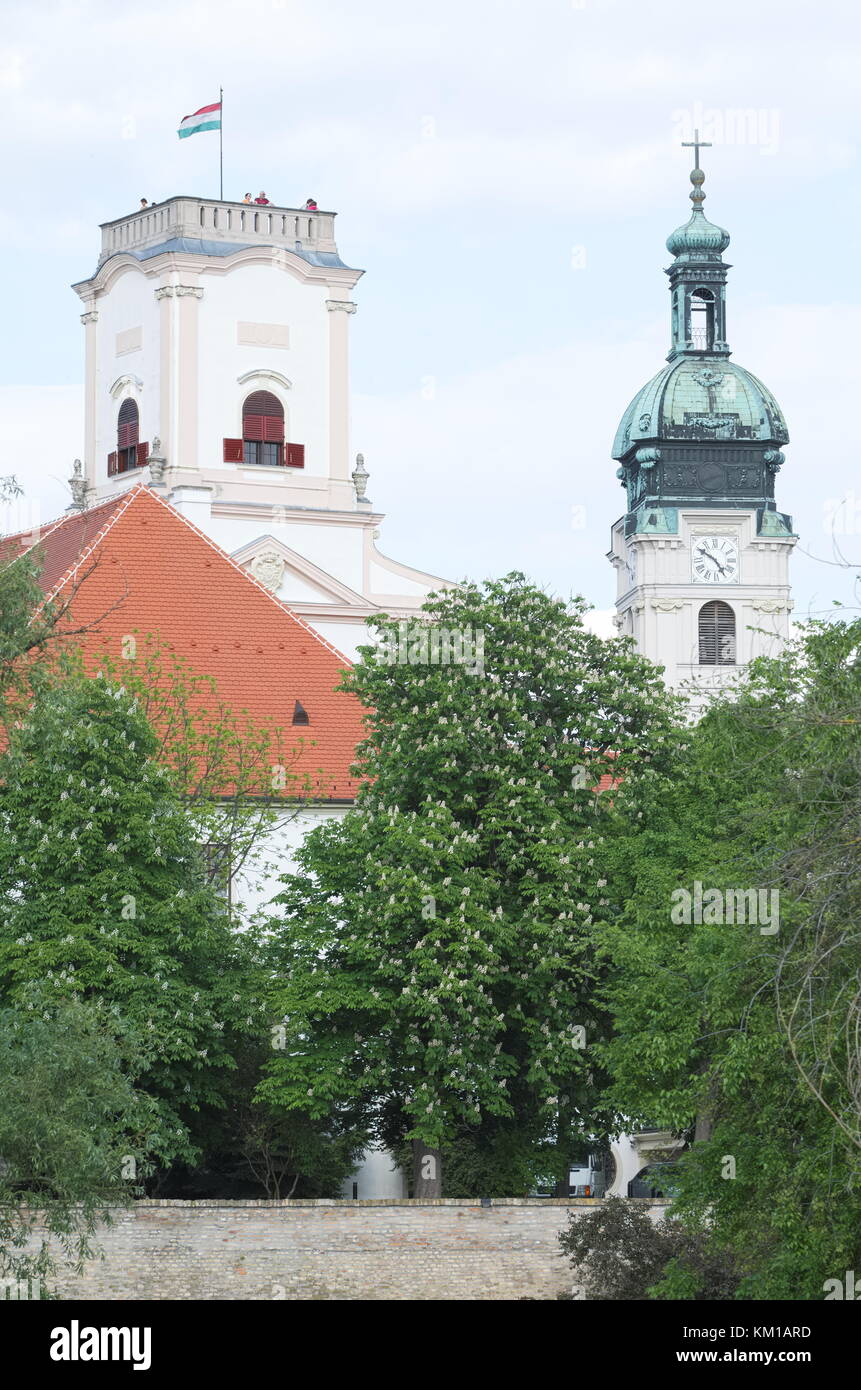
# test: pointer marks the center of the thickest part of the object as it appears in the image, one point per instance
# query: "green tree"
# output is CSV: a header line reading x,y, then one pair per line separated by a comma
x,y
37,634
104,893
237,775
618,1254
744,1036
251,1149
75,1133
27,624
439,948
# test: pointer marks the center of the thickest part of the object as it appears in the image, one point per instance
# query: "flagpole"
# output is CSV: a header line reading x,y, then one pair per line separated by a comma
x,y
221,146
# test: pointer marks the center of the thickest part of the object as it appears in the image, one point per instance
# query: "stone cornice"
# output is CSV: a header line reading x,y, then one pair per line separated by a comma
x,y
341,613
308,516
685,589
189,263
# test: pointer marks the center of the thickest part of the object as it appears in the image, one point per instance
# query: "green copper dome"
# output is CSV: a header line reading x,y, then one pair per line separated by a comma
x,y
698,237
703,432
696,399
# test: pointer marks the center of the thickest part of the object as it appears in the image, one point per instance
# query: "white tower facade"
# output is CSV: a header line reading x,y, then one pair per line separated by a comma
x,y
217,371
668,585
702,553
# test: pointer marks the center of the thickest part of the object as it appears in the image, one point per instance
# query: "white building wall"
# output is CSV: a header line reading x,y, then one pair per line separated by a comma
x,y
659,603
259,296
347,637
129,314
337,550
383,581
257,884
376,1176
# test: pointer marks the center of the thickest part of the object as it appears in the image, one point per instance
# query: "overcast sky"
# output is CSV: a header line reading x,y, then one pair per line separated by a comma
x,y
506,172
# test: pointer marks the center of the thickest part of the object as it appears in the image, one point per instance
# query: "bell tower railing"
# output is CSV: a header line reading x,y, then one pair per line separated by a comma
x,y
207,219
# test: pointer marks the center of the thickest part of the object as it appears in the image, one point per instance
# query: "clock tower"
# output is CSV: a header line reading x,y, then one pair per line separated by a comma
x,y
702,553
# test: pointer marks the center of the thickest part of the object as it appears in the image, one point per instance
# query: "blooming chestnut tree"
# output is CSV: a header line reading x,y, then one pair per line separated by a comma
x,y
439,949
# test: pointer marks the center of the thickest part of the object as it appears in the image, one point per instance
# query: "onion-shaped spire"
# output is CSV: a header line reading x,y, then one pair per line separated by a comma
x,y
698,236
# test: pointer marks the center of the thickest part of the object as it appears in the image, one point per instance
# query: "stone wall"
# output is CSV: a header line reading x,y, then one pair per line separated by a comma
x,y
332,1250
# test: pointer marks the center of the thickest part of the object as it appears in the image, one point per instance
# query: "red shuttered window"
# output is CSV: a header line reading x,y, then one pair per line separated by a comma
x,y
128,424
129,449
263,429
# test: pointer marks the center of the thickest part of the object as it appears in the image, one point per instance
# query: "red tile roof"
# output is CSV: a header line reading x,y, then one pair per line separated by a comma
x,y
143,568
62,541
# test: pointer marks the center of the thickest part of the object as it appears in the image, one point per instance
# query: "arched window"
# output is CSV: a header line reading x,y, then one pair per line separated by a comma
x,y
130,452
717,634
702,320
262,429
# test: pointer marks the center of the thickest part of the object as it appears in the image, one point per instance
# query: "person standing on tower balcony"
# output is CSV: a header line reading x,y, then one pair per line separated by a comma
x,y
261,198
248,198
311,205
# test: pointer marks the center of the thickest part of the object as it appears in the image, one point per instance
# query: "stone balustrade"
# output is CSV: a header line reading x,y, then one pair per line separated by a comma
x,y
210,220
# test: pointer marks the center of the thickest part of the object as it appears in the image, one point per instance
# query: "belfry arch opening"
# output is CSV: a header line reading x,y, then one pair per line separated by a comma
x,y
702,320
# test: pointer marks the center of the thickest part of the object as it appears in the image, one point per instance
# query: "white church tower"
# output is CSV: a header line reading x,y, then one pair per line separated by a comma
x,y
702,554
217,371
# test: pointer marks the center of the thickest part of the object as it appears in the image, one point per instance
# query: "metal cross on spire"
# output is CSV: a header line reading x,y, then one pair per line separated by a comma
x,y
698,145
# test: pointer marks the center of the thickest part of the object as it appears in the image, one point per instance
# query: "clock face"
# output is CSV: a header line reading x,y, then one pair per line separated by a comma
x,y
714,560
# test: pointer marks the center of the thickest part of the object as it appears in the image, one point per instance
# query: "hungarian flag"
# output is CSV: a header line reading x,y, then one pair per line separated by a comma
x,y
207,118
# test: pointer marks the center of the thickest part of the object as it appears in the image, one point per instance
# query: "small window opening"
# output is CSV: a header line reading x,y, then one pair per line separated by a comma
x,y
717,634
